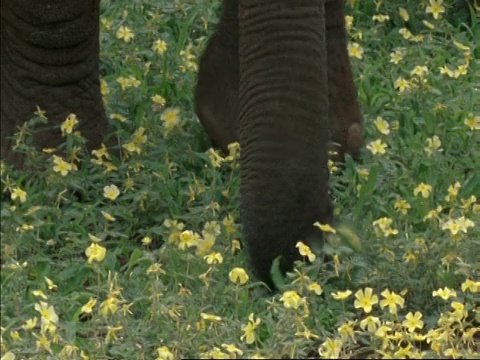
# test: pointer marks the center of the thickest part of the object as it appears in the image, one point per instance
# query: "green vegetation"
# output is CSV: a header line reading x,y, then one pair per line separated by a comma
x,y
140,258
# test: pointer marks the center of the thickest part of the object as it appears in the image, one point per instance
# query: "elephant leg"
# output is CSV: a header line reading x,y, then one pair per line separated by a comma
x,y
283,110
216,96
345,117
49,57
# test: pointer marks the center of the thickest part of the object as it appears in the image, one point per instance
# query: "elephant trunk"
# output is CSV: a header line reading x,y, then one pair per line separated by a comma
x,y
283,114
49,56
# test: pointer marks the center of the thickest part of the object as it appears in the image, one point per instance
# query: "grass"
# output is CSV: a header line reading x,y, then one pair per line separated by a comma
x,y
140,258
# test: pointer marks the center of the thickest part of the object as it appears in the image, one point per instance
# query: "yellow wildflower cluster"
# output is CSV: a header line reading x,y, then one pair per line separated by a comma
x,y
401,337
234,154
103,158
383,226
138,138
189,60
171,119
127,82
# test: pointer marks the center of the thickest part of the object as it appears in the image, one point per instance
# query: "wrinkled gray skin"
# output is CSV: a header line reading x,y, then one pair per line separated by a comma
x,y
216,97
49,58
283,111
276,76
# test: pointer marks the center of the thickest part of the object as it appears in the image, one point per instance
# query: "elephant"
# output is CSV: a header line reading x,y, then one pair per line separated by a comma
x,y
274,83
50,59
276,76
216,97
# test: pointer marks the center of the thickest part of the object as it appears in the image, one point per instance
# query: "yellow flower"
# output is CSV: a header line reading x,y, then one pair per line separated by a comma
x,y
164,354
453,192
355,50
215,353
405,33
238,275
147,240
473,122
428,24
214,258
377,147
176,229
403,14
15,335
18,193
233,151
158,99
365,299
371,323
419,71
391,300
47,313
118,117
160,46
291,299
101,153
249,329
236,246
30,324
40,294
125,83
111,192
305,251
402,206
131,147
108,216
346,331
433,214
68,125
125,34
50,284
188,238
348,22
215,157
88,307
109,306
382,125
341,295
384,226
380,18
204,246
435,8
423,189
232,349
61,165
171,119
155,268
331,348
444,293
210,317
316,288
412,321
433,145
95,252
42,342
401,84
104,88
397,56
470,285
8,356
325,228
112,333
